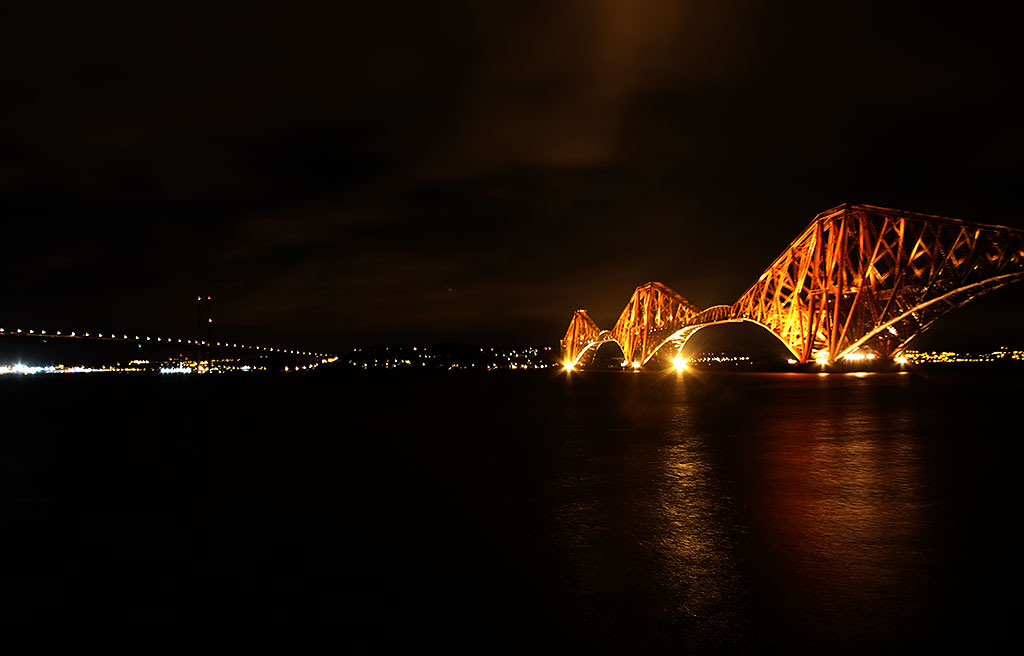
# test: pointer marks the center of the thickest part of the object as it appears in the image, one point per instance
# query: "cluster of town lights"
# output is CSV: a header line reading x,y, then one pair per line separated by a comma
x,y
421,357
31,370
821,357
143,366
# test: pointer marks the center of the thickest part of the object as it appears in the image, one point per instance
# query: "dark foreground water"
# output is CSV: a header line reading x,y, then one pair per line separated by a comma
x,y
597,513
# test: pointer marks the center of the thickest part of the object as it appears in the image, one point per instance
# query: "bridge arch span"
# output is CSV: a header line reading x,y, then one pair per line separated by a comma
x,y
912,322
762,331
590,353
676,342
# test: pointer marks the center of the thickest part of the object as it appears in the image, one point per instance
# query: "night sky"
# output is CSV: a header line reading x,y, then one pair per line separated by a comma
x,y
423,172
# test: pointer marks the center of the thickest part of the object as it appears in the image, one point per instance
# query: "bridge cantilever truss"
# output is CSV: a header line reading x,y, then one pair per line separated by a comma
x,y
859,278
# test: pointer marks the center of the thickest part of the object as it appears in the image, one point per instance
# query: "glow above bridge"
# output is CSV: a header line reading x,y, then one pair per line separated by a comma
x,y
860,282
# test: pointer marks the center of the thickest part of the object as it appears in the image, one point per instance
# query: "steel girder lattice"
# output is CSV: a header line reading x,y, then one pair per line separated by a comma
x,y
863,276
581,336
858,277
654,313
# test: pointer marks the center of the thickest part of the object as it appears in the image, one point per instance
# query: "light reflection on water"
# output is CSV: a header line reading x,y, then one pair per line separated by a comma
x,y
754,511
696,552
837,494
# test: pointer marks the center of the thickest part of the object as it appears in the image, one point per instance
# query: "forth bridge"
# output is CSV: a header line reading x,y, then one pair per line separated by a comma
x,y
860,281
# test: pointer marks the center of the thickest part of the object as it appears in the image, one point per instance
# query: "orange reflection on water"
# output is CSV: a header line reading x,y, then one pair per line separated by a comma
x,y
837,506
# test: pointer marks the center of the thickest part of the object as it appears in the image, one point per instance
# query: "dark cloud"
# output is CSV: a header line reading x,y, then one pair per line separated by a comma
x,y
330,173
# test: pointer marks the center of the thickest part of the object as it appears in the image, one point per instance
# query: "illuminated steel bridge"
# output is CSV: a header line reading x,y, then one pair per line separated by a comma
x,y
859,281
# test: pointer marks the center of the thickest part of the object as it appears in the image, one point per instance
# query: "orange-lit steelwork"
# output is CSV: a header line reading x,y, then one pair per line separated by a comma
x,y
859,281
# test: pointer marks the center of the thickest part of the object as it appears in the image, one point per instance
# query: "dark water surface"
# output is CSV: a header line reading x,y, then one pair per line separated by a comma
x,y
602,512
